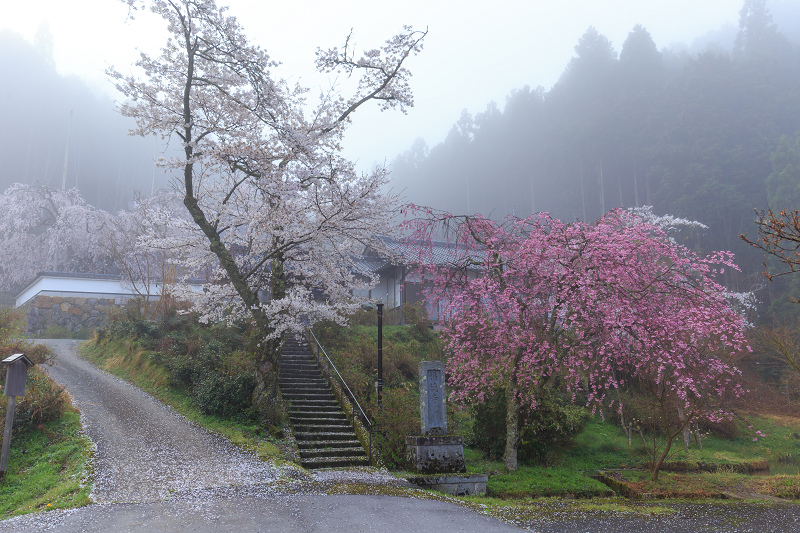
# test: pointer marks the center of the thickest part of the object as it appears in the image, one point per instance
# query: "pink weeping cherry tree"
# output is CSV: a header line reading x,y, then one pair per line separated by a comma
x,y
594,306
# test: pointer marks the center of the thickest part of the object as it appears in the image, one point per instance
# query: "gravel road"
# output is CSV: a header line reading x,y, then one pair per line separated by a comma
x,y
146,451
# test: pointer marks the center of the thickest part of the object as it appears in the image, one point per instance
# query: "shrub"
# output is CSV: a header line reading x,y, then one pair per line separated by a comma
x,y
43,402
398,419
543,430
416,316
228,396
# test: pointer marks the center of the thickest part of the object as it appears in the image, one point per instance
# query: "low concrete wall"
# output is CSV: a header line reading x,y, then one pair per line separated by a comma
x,y
454,484
72,313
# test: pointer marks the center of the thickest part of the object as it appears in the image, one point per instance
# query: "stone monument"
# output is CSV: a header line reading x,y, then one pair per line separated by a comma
x,y
436,452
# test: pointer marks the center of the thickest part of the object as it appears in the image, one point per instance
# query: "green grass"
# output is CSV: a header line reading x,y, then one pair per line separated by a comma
x,y
602,446
543,481
47,469
126,360
533,481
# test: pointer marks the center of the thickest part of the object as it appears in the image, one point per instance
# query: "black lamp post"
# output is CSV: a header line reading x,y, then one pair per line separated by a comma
x,y
380,355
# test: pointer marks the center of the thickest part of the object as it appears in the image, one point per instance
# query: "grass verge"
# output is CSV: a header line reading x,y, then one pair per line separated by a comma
x,y
48,469
128,361
602,446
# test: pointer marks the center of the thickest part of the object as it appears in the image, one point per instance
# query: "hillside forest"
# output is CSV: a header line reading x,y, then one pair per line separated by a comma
x,y
707,136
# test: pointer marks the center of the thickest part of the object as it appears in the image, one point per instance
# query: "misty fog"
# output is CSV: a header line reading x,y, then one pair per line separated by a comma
x,y
705,130
707,135
40,109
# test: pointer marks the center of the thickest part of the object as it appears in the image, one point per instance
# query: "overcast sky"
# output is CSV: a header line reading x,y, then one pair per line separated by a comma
x,y
475,52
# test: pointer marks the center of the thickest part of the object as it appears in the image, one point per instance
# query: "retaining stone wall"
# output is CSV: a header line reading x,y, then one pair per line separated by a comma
x,y
73,313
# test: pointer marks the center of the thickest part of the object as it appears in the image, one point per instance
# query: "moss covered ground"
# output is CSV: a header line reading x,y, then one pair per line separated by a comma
x,y
48,469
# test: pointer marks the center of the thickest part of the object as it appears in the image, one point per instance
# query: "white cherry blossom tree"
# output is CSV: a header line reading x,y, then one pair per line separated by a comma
x,y
149,271
273,202
45,229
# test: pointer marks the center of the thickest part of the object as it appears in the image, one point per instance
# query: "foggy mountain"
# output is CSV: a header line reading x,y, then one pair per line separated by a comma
x,y
39,109
692,135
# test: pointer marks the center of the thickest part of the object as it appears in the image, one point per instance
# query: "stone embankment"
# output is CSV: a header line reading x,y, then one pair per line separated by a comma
x,y
75,314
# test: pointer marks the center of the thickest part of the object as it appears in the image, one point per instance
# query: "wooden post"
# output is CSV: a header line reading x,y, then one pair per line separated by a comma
x,y
12,400
17,366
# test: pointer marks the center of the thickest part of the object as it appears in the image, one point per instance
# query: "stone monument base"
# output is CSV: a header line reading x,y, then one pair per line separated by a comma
x,y
454,484
436,454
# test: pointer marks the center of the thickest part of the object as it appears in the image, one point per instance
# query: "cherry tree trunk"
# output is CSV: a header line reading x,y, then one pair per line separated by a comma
x,y
512,426
266,399
687,437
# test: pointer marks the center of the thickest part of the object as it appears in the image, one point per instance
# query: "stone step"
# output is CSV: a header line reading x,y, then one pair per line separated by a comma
x,y
323,436
292,363
334,462
301,381
338,426
308,396
319,420
298,360
301,384
313,405
291,368
333,452
299,393
327,444
316,411
307,387
299,374
314,418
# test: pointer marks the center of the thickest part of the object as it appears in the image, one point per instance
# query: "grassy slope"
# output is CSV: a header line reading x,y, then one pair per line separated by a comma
x,y
47,469
603,446
127,361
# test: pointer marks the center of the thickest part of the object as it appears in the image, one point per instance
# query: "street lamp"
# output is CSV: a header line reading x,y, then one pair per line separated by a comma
x,y
380,355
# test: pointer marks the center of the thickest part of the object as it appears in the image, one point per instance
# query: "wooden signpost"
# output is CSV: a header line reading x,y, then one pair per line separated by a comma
x,y
16,375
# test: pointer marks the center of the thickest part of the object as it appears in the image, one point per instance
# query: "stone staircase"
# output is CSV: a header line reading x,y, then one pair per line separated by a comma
x,y
325,438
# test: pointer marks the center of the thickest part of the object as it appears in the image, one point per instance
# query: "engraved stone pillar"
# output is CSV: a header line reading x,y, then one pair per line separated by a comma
x,y
433,402
436,452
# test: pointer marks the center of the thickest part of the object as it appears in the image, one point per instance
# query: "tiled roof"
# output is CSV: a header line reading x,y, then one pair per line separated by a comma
x,y
368,265
406,253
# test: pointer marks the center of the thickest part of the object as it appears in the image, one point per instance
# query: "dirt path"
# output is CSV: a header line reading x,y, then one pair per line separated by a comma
x,y
145,451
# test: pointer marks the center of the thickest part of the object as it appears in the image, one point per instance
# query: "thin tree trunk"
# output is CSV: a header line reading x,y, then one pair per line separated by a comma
x,y
668,445
512,425
627,427
602,191
687,435
583,193
265,395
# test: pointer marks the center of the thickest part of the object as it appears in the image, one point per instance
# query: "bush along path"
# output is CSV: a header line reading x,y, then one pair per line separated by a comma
x,y
324,436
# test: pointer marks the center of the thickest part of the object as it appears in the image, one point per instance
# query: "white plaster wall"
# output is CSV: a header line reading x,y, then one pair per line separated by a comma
x,y
86,288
